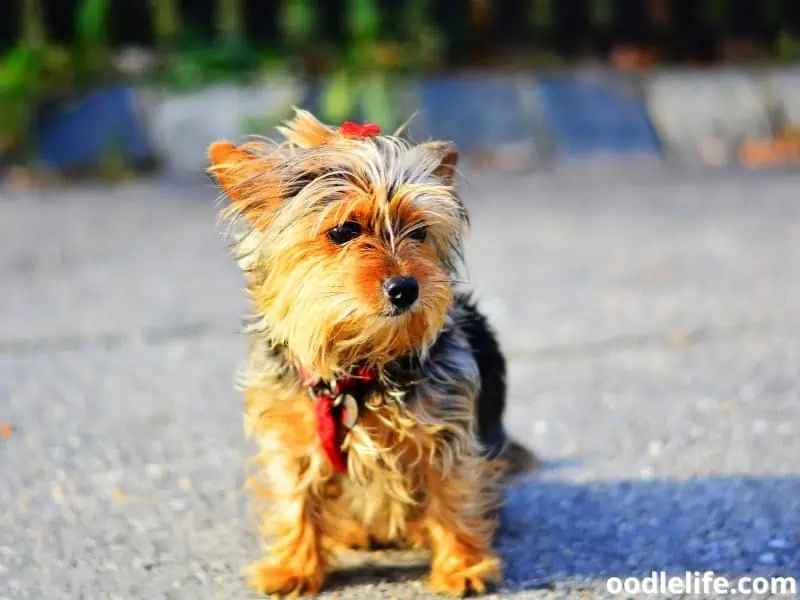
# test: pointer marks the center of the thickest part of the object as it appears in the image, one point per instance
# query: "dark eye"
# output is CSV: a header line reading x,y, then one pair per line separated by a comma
x,y
341,234
418,234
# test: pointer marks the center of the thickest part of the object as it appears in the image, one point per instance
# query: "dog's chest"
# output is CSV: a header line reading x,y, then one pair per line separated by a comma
x,y
384,487
374,504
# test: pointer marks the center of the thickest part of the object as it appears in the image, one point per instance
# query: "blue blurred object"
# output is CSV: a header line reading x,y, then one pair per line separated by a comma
x,y
84,132
588,118
477,113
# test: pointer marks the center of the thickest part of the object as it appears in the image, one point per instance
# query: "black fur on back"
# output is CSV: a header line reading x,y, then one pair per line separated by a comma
x,y
492,368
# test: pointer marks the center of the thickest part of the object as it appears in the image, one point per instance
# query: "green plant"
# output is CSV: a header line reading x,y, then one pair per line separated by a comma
x,y
18,84
364,71
91,44
424,46
30,72
193,61
230,21
29,77
356,80
376,103
165,21
36,70
299,22
33,31
363,21
788,47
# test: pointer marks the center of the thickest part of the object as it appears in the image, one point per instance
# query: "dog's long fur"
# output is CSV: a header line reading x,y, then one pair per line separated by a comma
x,y
425,456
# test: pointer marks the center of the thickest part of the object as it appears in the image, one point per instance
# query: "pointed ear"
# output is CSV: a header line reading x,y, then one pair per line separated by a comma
x,y
245,174
219,151
228,162
447,156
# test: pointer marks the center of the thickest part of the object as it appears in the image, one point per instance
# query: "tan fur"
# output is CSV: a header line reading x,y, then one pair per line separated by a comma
x,y
406,486
416,475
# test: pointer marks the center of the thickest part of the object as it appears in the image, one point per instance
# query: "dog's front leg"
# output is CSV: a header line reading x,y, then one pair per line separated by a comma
x,y
296,562
460,530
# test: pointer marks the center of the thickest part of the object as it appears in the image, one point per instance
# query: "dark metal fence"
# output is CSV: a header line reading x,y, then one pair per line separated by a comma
x,y
480,32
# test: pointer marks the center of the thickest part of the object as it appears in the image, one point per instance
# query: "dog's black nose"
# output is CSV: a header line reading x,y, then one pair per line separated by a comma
x,y
401,291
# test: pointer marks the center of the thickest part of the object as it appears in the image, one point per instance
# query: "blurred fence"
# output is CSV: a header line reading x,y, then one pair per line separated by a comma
x,y
115,82
458,32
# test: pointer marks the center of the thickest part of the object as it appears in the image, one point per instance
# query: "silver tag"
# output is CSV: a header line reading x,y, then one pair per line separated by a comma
x,y
350,411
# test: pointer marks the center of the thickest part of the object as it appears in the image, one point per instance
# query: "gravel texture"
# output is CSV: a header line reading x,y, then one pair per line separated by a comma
x,y
651,320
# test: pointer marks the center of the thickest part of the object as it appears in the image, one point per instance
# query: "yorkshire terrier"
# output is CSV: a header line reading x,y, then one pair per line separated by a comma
x,y
374,388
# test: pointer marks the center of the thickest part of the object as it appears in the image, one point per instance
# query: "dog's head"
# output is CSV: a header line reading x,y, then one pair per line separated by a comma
x,y
352,239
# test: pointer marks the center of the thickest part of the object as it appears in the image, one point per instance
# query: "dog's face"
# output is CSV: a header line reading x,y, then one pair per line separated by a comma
x,y
351,244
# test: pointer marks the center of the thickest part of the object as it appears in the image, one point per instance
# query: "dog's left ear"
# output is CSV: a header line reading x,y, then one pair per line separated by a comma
x,y
447,156
246,175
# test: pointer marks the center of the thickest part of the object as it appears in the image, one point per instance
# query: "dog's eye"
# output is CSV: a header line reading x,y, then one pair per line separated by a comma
x,y
418,234
341,234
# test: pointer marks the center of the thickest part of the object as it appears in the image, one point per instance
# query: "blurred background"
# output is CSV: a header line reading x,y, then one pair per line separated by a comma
x,y
114,85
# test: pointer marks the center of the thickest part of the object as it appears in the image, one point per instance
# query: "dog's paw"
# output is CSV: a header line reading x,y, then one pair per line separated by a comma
x,y
416,535
460,575
350,536
271,578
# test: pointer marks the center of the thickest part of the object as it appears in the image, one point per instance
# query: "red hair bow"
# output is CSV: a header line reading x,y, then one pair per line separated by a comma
x,y
357,130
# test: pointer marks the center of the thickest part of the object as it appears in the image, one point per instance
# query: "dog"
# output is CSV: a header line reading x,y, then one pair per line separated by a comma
x,y
373,386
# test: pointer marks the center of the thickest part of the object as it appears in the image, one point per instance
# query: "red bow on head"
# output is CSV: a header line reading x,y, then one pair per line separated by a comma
x,y
357,130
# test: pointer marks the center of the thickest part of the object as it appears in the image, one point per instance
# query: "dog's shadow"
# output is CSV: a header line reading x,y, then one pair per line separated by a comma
x,y
395,566
555,532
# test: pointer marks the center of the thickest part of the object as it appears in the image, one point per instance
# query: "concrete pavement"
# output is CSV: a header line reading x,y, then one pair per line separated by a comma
x,y
651,319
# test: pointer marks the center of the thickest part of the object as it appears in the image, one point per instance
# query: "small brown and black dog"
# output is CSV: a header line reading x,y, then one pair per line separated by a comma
x,y
374,389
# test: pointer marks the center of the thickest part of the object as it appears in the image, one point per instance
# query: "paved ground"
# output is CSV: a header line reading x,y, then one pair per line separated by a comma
x,y
652,321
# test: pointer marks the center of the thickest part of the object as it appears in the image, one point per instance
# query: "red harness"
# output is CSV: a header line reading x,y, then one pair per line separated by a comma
x,y
330,407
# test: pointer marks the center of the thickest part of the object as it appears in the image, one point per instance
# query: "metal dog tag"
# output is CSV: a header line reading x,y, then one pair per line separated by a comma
x,y
349,411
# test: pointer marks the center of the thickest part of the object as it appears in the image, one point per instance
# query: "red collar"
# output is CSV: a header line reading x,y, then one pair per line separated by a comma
x,y
340,385
331,406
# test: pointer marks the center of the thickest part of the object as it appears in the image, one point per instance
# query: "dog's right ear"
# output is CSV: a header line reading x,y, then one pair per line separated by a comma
x,y
246,175
221,151
229,167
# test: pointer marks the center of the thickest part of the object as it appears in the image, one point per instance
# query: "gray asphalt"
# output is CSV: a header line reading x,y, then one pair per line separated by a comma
x,y
651,320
